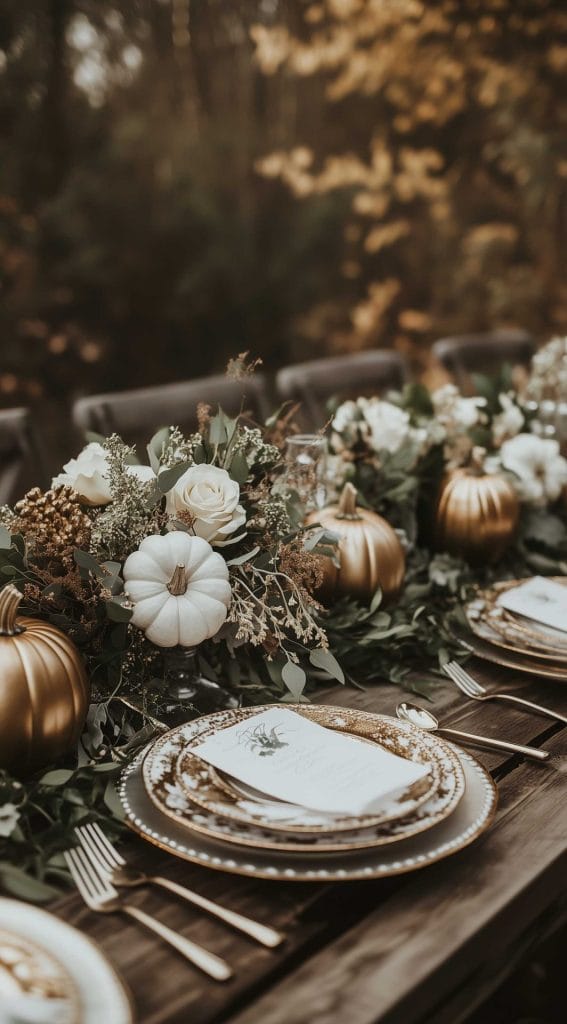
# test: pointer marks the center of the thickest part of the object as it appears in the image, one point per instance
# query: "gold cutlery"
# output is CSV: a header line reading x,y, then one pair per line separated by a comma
x,y
426,720
111,865
473,689
103,898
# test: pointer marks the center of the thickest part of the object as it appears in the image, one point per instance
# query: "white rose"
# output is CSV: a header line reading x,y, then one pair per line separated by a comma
x,y
389,425
540,470
211,497
88,475
507,423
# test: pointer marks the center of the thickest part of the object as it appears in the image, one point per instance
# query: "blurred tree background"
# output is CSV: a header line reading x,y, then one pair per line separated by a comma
x,y
184,179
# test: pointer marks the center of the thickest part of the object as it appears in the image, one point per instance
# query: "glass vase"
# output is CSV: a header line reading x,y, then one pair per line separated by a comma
x,y
306,468
190,692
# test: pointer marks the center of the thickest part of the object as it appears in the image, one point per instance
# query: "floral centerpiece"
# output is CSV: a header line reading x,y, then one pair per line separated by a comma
x,y
201,548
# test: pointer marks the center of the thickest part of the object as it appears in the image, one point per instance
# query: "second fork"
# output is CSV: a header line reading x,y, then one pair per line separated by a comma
x,y
110,863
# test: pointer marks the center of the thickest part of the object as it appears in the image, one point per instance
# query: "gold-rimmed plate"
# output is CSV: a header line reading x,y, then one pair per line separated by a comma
x,y
492,623
173,800
498,655
217,792
472,816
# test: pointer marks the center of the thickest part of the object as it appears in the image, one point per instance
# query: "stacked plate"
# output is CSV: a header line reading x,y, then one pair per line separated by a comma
x,y
507,638
184,805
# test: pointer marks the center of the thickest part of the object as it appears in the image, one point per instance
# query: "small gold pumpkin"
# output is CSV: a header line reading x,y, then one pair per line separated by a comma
x,y
44,690
370,552
476,515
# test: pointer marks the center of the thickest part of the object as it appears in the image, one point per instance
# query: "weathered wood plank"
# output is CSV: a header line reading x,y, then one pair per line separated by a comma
x,y
444,924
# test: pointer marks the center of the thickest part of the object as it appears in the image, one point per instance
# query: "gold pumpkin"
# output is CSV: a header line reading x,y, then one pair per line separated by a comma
x,y
370,552
44,691
476,515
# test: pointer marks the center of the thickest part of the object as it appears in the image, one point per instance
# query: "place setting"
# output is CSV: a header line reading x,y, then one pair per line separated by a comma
x,y
307,793
521,624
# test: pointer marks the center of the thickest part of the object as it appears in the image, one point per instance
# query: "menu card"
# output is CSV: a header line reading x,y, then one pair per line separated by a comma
x,y
539,599
288,757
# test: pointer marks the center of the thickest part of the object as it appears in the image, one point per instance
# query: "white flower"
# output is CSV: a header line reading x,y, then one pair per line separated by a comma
x,y
540,470
455,412
9,816
507,423
389,425
88,474
211,497
346,414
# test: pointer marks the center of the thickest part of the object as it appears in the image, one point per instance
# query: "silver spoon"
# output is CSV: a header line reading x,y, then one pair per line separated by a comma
x,y
425,720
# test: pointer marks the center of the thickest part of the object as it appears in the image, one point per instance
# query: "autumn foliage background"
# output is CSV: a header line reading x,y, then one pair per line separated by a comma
x,y
184,179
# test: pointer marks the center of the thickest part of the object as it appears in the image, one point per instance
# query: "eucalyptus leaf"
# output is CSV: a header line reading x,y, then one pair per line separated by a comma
x,y
5,538
325,660
218,432
117,611
169,477
86,561
24,886
155,447
246,557
294,678
239,469
57,777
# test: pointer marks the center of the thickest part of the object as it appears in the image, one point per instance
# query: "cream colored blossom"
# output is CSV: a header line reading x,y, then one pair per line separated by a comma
x,y
89,476
540,471
211,498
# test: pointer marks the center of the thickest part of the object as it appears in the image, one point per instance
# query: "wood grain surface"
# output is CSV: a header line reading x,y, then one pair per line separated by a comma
x,y
425,946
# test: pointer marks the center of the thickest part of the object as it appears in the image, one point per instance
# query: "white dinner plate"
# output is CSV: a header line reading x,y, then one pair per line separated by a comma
x,y
101,995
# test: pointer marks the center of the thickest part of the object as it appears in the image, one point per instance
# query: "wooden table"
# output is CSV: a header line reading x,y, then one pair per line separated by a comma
x,y
427,946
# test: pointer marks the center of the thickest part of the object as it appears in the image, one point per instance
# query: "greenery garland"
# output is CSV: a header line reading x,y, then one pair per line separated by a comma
x,y
349,643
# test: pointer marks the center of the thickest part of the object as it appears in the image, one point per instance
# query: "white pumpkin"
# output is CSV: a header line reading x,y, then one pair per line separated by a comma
x,y
179,588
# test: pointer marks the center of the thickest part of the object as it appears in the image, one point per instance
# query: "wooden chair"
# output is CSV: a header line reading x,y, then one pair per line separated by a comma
x,y
137,414
465,354
315,382
21,461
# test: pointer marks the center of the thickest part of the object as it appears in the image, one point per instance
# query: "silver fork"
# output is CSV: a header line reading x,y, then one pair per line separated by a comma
x,y
103,898
473,689
110,864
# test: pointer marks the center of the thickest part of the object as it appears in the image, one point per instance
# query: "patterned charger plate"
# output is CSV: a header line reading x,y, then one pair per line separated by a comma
x,y
471,818
172,799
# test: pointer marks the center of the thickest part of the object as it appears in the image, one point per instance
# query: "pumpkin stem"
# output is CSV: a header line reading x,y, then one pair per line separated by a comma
x,y
346,508
178,584
10,598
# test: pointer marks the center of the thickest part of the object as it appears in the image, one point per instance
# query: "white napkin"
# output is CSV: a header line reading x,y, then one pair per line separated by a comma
x,y
288,757
539,599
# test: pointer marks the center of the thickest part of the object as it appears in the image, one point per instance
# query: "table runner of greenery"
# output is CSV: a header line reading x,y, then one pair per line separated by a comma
x,y
276,642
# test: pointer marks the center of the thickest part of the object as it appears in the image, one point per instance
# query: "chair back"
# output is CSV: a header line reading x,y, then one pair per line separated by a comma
x,y
486,353
315,382
21,462
137,414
